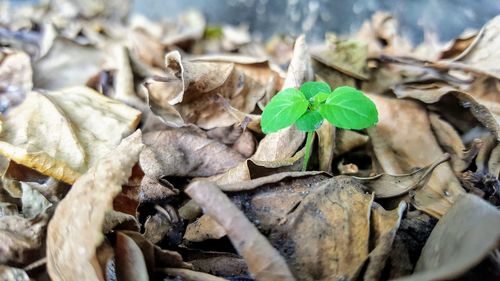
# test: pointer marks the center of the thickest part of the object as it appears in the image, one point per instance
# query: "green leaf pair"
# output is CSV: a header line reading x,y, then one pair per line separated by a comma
x,y
345,107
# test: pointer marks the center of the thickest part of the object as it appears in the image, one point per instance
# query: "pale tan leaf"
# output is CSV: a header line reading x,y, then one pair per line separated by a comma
x,y
80,215
83,126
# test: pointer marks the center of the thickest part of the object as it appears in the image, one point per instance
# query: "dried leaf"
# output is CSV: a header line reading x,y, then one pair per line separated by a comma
x,y
129,261
21,239
386,186
334,219
471,223
404,128
326,146
384,225
263,261
16,78
67,64
80,215
482,55
83,127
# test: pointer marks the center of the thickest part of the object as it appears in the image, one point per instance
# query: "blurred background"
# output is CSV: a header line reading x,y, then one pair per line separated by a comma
x,y
445,18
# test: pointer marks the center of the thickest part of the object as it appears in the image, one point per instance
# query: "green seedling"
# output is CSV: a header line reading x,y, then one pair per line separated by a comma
x,y
345,107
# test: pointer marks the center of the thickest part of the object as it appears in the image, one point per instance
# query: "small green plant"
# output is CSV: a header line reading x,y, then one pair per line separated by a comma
x,y
345,107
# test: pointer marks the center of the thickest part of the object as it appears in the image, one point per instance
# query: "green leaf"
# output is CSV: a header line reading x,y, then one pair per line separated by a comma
x,y
319,98
349,108
283,110
310,121
310,89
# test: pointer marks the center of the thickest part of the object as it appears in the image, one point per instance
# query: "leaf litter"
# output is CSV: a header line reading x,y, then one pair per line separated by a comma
x,y
202,193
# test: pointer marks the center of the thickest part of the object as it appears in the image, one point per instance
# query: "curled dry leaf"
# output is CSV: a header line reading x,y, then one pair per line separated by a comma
x,y
439,92
192,90
404,128
386,186
482,55
384,225
326,146
80,215
284,144
83,126
471,223
264,262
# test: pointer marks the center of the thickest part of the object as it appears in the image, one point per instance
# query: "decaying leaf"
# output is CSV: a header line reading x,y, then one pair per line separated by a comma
x,y
404,128
334,219
471,223
263,261
80,215
83,126
130,263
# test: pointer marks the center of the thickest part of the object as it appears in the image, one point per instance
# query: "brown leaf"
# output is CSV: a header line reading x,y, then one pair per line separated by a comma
x,y
471,223
80,215
455,101
404,128
83,126
182,152
482,55
384,225
264,262
129,261
386,186
334,220
326,146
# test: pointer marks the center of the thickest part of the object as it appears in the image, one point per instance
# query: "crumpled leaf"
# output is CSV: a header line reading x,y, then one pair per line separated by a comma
x,y
386,186
83,126
471,223
404,128
191,89
183,152
264,262
67,64
34,203
80,215
21,239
